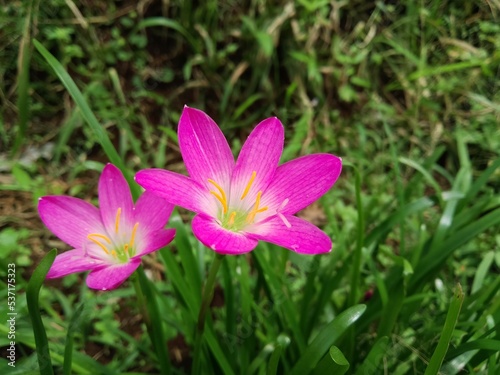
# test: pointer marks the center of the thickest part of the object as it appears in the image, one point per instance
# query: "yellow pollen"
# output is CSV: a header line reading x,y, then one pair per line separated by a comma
x,y
256,209
231,218
91,238
134,230
249,185
125,247
222,197
117,220
113,253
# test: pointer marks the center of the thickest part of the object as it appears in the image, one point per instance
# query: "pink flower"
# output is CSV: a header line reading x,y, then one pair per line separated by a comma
x,y
238,204
111,241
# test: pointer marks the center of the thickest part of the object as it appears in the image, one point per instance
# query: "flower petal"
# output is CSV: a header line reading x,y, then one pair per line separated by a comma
x,y
222,241
204,148
296,234
70,219
152,211
301,182
111,277
114,193
177,189
153,241
261,154
72,261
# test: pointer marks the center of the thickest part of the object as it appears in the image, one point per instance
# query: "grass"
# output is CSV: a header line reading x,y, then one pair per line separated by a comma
x,y
406,93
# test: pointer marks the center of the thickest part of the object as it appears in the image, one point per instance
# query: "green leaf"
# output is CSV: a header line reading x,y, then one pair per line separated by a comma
x,y
32,292
445,338
334,362
372,360
155,326
88,115
68,349
326,338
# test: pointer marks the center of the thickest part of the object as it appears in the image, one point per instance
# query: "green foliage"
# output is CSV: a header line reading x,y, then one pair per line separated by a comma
x,y
406,92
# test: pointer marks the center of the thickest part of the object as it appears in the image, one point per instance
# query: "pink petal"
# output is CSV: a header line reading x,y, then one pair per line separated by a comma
x,y
204,148
222,241
177,189
70,219
72,261
260,153
152,211
114,193
294,234
111,277
300,182
154,241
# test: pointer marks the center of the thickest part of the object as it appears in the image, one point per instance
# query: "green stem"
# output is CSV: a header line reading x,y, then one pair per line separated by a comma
x,y
151,313
208,293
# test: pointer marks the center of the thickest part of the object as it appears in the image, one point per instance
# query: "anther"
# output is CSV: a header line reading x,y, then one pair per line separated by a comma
x,y
256,209
249,185
134,230
91,238
117,219
221,197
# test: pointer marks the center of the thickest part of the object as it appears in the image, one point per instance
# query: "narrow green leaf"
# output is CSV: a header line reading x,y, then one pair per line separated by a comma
x,y
372,360
445,338
482,271
68,349
88,115
170,24
189,263
272,366
430,263
32,292
431,180
480,344
326,338
435,70
155,326
334,362
479,183
23,81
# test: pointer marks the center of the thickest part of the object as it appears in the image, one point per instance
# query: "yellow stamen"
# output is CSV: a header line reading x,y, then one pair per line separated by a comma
x,y
117,220
249,185
91,238
222,197
134,230
113,253
256,209
231,218
125,247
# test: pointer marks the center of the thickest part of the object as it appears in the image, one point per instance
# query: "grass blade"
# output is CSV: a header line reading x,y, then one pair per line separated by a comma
x,y
372,360
334,362
32,292
326,338
155,327
445,338
23,81
68,349
88,115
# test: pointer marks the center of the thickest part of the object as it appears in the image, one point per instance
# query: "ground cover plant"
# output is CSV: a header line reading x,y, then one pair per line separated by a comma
x,y
406,93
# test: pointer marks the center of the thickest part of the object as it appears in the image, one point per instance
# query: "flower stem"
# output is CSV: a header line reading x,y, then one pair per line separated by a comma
x,y
208,293
149,306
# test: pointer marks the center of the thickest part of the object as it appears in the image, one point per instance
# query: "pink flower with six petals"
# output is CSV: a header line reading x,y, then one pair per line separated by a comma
x,y
110,241
238,204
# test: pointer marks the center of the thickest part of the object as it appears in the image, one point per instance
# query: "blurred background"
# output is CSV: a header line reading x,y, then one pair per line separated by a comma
x,y
406,92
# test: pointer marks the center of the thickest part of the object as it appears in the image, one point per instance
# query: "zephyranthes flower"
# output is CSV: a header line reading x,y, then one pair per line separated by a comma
x,y
109,241
254,199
